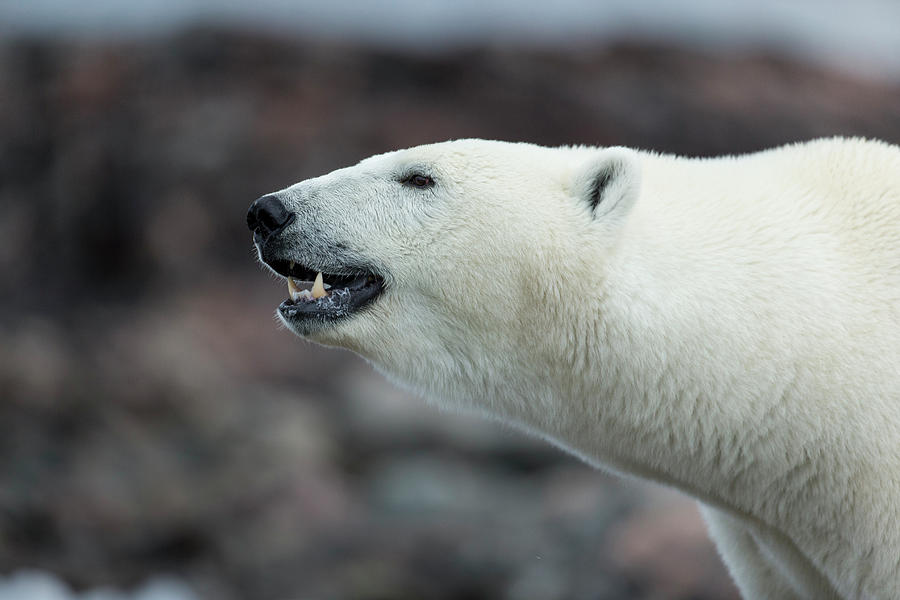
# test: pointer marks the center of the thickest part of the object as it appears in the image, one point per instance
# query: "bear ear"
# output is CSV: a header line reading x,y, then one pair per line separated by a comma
x,y
609,183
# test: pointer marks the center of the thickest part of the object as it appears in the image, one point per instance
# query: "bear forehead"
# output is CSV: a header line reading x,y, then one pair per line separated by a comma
x,y
475,154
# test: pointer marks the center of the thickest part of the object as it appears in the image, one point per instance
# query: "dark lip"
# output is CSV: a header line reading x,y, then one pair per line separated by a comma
x,y
350,291
341,302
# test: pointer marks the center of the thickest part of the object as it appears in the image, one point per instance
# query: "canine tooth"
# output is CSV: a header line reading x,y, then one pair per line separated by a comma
x,y
318,288
291,265
293,290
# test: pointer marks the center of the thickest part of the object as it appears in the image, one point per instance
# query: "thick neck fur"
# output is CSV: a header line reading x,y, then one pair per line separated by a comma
x,y
658,377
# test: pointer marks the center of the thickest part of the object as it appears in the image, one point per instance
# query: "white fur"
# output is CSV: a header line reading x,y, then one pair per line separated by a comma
x,y
729,327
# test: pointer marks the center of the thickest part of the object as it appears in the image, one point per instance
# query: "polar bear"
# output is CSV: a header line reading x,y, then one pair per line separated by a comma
x,y
729,327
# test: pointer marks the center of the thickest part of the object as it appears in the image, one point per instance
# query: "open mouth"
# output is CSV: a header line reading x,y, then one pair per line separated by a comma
x,y
316,295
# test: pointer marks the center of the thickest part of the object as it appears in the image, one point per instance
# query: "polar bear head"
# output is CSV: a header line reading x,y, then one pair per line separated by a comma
x,y
452,260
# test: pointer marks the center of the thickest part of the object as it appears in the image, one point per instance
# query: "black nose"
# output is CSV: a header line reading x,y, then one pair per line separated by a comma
x,y
267,216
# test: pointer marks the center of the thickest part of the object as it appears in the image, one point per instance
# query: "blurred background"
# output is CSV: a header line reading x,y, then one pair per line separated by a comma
x,y
161,438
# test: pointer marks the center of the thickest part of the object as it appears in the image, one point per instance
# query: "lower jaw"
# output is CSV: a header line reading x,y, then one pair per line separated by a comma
x,y
305,327
334,333
308,317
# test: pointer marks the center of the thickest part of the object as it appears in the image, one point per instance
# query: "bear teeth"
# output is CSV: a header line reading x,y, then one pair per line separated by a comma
x,y
318,290
295,292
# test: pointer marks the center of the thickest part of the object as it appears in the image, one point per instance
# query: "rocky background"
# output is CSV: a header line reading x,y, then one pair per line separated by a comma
x,y
155,420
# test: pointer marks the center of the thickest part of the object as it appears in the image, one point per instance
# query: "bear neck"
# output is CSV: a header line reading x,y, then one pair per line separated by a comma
x,y
647,381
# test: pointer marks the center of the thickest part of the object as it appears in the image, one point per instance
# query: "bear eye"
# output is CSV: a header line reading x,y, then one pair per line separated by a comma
x,y
418,180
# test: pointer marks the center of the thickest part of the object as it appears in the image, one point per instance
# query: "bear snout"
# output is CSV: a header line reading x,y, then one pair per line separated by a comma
x,y
268,216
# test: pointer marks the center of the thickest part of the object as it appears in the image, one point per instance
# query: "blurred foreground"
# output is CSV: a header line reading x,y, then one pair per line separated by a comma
x,y
155,420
